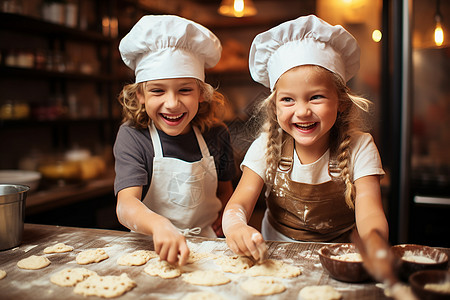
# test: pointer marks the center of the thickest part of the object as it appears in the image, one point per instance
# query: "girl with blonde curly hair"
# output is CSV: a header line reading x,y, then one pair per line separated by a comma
x,y
173,157
322,174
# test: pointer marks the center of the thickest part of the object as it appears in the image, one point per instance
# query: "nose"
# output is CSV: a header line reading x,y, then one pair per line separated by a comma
x,y
171,100
302,109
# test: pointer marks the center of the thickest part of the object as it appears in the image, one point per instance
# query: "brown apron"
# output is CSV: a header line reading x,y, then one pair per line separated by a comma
x,y
308,212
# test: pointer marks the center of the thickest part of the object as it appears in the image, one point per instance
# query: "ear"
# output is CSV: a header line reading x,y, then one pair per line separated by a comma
x,y
140,97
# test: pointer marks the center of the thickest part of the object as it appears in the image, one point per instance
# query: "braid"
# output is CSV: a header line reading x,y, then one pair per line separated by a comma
x,y
272,128
344,165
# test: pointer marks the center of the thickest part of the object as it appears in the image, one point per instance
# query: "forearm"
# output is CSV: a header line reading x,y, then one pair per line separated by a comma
x,y
136,216
373,221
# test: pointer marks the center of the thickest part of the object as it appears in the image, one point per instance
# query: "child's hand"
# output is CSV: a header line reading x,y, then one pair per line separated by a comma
x,y
170,244
246,240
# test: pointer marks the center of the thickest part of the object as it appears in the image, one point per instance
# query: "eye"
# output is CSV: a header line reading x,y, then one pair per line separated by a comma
x,y
186,90
317,98
156,91
287,99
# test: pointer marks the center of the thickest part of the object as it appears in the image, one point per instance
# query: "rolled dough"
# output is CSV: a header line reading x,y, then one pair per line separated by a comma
x,y
58,248
33,262
70,277
323,292
162,268
234,264
91,256
206,277
276,268
136,258
105,286
202,296
262,286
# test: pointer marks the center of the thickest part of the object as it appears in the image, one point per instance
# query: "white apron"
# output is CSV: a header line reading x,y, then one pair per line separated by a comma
x,y
184,192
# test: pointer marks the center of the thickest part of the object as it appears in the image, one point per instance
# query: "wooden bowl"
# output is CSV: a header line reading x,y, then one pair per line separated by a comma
x,y
348,271
413,258
419,279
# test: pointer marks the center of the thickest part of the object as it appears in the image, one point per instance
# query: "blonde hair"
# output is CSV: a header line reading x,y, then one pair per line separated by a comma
x,y
209,113
348,120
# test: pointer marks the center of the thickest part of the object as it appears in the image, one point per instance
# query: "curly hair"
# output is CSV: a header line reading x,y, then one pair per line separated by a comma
x,y
210,110
348,121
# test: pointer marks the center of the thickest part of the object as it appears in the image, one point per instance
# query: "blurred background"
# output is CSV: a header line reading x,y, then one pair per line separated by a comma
x,y
61,73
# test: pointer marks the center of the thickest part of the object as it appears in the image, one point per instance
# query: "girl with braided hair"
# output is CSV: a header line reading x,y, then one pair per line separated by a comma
x,y
322,174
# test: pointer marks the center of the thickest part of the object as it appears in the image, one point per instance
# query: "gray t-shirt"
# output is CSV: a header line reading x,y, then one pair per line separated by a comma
x,y
133,152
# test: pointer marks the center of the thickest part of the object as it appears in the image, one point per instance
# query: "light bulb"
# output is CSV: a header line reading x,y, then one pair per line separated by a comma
x,y
438,34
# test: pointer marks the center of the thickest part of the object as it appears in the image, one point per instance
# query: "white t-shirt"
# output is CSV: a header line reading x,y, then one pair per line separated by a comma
x,y
365,160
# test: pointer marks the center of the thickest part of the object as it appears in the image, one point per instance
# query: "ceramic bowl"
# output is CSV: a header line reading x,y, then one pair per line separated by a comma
x,y
340,269
413,258
419,280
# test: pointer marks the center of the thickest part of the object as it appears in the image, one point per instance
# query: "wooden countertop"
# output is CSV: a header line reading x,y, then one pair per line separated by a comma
x,y
35,284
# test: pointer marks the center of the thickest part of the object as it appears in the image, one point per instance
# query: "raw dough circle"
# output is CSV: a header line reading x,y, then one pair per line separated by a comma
x,y
197,256
2,274
162,268
352,257
58,248
206,277
234,264
136,258
91,256
323,292
70,277
202,296
276,268
262,286
33,262
105,286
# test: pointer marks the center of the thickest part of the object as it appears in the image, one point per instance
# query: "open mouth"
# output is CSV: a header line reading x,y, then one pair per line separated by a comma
x,y
306,126
172,118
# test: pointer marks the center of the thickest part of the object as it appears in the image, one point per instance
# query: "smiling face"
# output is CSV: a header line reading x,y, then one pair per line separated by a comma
x,y
307,105
171,103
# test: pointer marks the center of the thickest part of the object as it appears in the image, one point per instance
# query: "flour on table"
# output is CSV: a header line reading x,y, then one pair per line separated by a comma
x,y
58,248
162,268
234,264
33,262
105,286
136,258
2,274
262,286
276,268
206,277
91,256
323,292
70,277
202,296
351,257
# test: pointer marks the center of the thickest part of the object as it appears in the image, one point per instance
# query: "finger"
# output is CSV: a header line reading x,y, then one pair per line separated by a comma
x,y
172,254
163,252
184,254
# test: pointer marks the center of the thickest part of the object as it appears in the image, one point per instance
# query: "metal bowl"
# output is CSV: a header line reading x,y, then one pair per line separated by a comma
x,y
413,258
12,214
419,280
348,271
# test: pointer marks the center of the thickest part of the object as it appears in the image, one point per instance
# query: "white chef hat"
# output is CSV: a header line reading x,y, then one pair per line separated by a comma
x,y
166,46
306,40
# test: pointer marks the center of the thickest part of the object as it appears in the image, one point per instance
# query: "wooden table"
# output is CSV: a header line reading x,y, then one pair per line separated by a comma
x,y
35,284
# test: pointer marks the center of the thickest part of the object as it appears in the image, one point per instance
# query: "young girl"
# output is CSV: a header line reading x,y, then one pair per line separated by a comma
x,y
322,174
174,161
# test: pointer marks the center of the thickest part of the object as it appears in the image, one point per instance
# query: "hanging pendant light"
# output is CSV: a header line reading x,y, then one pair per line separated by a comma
x,y
438,31
237,8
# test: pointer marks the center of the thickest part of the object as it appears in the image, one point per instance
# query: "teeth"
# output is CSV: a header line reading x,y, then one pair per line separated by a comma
x,y
172,117
305,125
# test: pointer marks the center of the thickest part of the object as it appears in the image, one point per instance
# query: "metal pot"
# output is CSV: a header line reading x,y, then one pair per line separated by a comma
x,y
12,214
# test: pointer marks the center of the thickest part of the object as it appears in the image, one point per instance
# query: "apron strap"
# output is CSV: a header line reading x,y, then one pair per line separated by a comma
x,y
157,148
201,142
287,152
